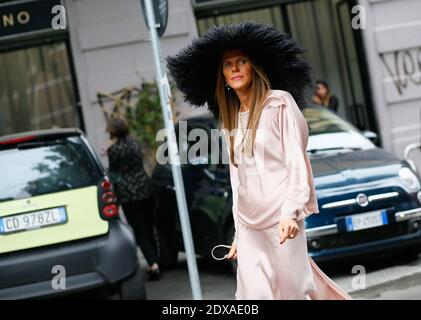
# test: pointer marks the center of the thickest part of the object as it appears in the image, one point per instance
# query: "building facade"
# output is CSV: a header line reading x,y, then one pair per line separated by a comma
x,y
392,46
52,77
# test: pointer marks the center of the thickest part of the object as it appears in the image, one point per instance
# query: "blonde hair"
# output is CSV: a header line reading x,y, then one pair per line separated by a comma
x,y
229,105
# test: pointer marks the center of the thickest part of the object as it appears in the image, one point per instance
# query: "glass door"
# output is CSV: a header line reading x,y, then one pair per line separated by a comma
x,y
323,27
329,39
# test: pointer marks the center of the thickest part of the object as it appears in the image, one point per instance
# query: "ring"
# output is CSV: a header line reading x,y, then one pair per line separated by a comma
x,y
291,236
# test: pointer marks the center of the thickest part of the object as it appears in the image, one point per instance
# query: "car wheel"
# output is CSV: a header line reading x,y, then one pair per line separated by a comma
x,y
228,239
167,251
133,288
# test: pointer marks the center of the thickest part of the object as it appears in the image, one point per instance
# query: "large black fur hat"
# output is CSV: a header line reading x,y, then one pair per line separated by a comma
x,y
194,68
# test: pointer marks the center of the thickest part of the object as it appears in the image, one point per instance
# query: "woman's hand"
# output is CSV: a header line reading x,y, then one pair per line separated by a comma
x,y
316,99
232,254
288,229
104,151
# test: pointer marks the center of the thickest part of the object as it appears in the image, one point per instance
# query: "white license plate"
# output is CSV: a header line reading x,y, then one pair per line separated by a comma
x,y
366,220
33,220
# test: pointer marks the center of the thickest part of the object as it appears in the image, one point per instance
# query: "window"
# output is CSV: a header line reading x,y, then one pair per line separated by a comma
x,y
323,121
36,89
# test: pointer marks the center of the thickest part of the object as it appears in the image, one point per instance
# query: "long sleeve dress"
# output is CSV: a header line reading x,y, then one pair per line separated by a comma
x,y
274,183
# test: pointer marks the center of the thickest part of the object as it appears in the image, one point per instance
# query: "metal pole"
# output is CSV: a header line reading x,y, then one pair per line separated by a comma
x,y
165,94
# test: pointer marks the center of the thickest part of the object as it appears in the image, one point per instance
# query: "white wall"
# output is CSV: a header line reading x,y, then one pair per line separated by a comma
x,y
110,46
393,43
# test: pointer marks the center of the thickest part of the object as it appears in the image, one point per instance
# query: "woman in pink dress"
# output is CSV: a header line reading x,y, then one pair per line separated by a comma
x,y
258,81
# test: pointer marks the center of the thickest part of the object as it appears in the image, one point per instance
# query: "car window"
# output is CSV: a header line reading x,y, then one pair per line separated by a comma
x,y
330,134
322,121
37,169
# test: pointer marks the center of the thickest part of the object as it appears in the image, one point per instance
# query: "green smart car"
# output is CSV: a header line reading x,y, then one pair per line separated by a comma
x,y
60,230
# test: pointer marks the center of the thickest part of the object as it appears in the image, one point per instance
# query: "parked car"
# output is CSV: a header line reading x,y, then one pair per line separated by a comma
x,y
369,200
59,218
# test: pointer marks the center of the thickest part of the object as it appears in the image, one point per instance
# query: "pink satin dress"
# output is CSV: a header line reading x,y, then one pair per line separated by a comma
x,y
274,183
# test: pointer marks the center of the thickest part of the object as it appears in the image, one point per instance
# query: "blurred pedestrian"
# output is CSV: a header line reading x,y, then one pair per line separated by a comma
x,y
253,79
322,96
134,189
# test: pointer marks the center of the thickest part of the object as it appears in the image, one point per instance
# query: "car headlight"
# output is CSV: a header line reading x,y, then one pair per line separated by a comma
x,y
409,179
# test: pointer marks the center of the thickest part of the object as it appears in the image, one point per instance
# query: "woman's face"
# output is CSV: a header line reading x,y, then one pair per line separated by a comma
x,y
237,70
321,90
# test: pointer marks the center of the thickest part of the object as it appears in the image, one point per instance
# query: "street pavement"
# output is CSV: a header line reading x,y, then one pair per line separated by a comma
x,y
387,277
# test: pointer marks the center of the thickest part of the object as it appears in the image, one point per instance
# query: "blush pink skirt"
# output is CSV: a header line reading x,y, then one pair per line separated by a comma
x,y
268,270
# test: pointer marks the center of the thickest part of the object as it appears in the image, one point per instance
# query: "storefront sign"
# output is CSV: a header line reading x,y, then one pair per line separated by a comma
x,y
26,16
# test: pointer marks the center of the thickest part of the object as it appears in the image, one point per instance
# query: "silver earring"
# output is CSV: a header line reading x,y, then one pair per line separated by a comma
x,y
227,86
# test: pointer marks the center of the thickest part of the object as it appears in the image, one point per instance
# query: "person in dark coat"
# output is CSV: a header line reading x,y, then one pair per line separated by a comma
x,y
134,189
324,97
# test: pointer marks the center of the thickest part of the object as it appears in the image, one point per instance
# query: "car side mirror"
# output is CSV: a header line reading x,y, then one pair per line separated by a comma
x,y
406,154
370,135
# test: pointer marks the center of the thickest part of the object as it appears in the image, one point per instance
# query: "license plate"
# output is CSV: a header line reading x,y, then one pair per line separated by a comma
x,y
366,220
33,220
